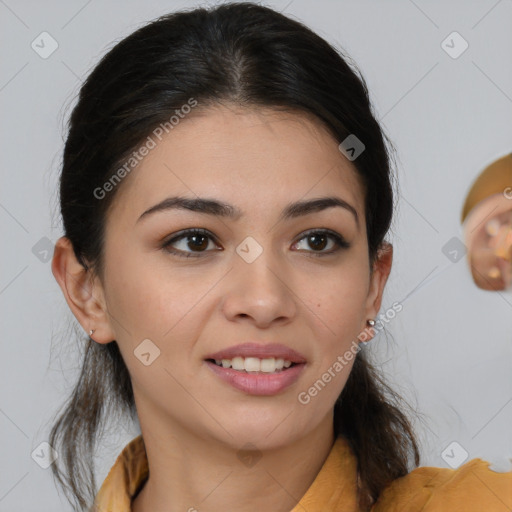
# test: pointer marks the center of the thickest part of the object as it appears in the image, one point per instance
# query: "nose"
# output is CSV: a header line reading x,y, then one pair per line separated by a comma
x,y
259,292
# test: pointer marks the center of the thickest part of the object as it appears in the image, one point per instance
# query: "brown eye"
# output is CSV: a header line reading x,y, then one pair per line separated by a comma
x,y
318,240
190,241
197,242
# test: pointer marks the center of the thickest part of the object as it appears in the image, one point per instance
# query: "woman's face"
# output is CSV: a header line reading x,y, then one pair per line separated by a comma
x,y
253,277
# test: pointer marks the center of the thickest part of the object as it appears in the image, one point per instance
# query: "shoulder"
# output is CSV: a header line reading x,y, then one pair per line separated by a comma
x,y
124,479
471,487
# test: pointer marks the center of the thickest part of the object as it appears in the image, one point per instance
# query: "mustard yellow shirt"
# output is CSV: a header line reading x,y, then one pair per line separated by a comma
x,y
473,487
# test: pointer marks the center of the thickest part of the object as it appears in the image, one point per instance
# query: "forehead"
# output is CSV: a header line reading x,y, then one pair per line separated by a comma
x,y
257,159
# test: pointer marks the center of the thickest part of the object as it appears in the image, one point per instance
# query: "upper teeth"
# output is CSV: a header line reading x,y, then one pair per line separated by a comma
x,y
254,364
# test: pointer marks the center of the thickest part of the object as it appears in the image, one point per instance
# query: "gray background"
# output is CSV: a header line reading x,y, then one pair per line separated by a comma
x,y
449,351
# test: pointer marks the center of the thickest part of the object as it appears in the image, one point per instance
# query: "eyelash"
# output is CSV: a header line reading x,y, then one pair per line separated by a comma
x,y
340,242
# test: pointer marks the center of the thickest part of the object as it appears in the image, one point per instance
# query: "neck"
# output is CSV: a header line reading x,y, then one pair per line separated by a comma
x,y
189,473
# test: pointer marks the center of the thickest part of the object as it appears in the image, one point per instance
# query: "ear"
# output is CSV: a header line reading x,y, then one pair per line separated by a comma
x,y
82,290
380,274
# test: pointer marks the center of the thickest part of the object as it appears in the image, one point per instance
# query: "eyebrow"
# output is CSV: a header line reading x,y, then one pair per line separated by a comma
x,y
221,209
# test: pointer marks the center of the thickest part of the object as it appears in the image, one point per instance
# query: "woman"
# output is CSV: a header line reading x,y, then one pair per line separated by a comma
x,y
225,195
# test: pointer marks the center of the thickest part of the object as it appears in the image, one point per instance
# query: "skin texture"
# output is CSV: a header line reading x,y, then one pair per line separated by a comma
x,y
193,423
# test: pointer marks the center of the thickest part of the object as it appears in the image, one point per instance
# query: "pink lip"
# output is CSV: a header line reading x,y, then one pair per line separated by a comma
x,y
260,351
258,383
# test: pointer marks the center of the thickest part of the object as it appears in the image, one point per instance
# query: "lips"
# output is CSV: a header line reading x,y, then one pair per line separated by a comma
x,y
258,383
253,349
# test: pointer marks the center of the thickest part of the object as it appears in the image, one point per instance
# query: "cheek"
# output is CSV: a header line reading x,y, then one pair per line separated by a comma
x,y
338,302
150,306
147,307
146,301
338,297
135,290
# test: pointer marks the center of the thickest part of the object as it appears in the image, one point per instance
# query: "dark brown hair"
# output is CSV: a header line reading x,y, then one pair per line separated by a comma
x,y
249,55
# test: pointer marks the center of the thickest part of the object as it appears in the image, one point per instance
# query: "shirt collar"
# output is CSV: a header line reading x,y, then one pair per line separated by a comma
x,y
333,489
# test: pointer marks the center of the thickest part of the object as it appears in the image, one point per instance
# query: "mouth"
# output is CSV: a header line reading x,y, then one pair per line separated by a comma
x,y
252,376
257,369
255,365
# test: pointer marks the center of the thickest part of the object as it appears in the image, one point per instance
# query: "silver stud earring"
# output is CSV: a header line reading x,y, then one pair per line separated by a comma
x,y
91,331
370,322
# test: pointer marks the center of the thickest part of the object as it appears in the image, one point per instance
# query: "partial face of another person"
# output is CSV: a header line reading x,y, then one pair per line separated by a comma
x,y
252,275
488,235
